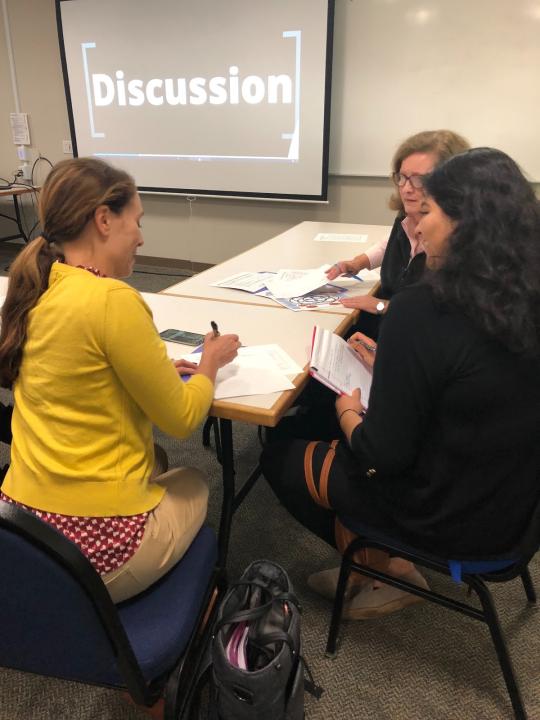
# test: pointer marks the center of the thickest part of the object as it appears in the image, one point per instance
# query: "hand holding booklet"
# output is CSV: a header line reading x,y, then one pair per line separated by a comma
x,y
335,364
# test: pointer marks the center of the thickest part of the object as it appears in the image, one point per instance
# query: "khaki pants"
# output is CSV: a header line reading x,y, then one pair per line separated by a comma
x,y
169,531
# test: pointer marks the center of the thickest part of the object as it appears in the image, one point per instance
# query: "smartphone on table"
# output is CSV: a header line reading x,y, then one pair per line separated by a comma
x,y
184,337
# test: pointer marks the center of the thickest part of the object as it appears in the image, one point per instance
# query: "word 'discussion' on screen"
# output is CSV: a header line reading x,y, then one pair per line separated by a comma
x,y
207,97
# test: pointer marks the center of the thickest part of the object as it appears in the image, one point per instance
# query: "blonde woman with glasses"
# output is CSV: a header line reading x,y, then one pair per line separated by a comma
x,y
402,256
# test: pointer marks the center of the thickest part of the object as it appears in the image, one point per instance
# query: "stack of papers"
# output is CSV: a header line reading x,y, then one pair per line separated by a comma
x,y
294,289
293,283
248,281
257,370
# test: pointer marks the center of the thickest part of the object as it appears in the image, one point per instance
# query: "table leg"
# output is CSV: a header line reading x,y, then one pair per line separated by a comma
x,y
19,220
231,499
227,467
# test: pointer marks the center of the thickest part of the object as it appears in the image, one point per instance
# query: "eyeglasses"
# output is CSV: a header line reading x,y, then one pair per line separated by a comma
x,y
417,181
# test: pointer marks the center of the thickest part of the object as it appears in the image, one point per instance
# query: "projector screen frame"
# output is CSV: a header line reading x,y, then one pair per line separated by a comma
x,y
213,193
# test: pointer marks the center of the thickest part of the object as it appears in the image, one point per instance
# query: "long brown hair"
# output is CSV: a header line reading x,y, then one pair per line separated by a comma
x,y
72,192
442,143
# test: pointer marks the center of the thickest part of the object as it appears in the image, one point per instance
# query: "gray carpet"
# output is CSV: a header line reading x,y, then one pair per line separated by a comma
x,y
424,663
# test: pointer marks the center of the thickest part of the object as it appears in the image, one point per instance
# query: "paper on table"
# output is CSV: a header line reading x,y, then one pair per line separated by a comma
x,y
279,358
251,282
370,275
265,357
255,371
325,296
293,283
341,237
234,380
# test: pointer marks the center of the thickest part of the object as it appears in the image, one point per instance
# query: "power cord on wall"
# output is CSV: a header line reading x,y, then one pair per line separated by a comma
x,y
40,158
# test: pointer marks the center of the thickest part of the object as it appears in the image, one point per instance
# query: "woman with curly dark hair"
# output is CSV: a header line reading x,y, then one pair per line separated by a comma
x,y
447,457
492,271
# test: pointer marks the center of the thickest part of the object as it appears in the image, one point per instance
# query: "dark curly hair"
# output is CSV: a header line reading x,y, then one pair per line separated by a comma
x,y
492,265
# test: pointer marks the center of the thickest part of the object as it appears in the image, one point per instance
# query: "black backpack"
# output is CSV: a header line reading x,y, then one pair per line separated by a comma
x,y
257,665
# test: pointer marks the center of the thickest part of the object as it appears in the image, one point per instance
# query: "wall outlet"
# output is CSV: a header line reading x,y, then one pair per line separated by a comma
x,y
67,147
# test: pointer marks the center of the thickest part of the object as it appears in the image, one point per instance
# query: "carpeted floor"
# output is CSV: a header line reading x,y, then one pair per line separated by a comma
x,y
424,663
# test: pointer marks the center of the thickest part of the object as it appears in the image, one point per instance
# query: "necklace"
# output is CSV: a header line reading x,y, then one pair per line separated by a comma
x,y
91,269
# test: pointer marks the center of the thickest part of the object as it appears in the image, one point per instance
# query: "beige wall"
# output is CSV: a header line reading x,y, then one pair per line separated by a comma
x,y
208,230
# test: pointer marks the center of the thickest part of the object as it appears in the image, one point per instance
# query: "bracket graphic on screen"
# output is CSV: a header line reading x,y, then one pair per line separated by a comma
x,y
293,136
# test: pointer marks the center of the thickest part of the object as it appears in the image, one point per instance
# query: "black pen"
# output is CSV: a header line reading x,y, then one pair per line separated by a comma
x,y
214,327
363,343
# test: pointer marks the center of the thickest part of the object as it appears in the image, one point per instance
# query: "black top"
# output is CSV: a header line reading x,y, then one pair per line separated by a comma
x,y
398,269
452,432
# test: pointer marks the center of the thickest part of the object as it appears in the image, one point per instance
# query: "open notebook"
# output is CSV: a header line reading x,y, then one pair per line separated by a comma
x,y
335,364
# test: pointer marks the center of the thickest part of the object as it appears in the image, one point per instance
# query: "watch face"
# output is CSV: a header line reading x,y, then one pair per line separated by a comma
x,y
380,307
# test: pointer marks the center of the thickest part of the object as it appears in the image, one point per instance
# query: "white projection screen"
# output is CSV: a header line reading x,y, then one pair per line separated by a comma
x,y
202,97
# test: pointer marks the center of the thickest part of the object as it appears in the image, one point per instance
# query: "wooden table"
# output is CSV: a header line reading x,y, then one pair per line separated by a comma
x,y
191,305
295,248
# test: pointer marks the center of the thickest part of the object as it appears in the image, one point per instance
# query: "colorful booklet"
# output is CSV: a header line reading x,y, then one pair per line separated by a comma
x,y
335,364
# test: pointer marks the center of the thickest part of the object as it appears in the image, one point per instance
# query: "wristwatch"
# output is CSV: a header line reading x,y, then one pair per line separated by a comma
x,y
380,307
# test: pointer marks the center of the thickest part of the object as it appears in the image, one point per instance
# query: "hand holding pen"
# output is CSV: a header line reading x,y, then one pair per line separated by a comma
x,y
365,347
218,350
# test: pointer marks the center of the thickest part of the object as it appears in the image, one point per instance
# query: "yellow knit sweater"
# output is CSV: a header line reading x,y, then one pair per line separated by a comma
x,y
94,377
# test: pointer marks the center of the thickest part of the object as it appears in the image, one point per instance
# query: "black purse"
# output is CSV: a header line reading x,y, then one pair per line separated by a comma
x,y
257,665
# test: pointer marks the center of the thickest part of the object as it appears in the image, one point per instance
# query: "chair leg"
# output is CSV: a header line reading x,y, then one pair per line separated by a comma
x,y
337,610
503,655
530,592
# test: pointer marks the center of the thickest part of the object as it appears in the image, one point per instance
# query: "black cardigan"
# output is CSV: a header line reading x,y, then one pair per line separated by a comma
x,y
398,269
452,432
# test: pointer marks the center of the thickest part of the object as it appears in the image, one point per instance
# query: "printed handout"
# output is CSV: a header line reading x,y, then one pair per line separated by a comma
x,y
341,237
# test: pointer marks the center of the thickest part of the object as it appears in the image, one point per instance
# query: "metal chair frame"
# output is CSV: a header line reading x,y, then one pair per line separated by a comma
x,y
476,582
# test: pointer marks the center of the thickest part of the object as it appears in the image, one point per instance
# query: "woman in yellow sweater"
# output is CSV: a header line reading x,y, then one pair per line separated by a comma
x,y
90,376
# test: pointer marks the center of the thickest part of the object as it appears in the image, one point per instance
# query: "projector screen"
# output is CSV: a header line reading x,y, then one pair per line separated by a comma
x,y
215,97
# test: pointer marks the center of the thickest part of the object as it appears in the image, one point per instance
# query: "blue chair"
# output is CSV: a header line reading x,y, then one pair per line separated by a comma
x,y
474,574
59,620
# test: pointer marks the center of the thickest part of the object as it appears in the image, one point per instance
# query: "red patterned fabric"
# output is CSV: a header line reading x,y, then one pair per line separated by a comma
x,y
108,542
